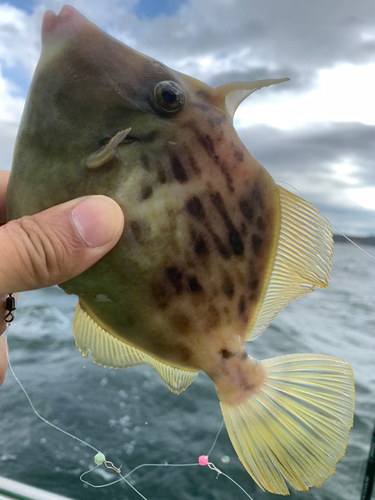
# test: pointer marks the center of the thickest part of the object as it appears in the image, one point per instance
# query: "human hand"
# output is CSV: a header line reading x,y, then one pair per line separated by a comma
x,y
53,246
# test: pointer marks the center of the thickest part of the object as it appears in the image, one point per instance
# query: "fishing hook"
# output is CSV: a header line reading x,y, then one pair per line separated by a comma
x,y
213,467
109,465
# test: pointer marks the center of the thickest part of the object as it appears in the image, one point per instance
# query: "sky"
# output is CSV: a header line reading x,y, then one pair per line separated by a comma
x,y
315,132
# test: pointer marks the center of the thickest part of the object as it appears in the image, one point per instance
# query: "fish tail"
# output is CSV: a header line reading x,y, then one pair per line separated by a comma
x,y
295,427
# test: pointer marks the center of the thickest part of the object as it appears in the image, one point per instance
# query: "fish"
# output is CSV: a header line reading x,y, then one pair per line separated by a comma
x,y
212,248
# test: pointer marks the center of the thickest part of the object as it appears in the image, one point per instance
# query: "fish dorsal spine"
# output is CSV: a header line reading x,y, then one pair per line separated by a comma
x,y
236,92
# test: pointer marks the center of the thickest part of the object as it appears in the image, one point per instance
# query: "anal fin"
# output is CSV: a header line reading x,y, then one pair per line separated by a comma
x,y
106,350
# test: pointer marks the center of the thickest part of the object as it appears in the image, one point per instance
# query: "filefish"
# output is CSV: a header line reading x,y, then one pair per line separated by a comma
x,y
212,249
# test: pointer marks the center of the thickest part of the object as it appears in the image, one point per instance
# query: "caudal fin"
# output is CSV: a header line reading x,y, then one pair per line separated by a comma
x,y
296,427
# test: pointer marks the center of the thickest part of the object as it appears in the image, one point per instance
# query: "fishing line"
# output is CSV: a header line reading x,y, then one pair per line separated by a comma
x,y
100,459
34,410
216,438
342,234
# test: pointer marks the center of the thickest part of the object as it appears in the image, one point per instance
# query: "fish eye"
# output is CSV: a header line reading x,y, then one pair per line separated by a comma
x,y
168,97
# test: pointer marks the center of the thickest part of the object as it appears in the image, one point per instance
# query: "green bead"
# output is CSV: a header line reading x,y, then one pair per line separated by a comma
x,y
99,458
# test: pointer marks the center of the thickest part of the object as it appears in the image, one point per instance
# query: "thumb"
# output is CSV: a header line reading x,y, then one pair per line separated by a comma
x,y
57,244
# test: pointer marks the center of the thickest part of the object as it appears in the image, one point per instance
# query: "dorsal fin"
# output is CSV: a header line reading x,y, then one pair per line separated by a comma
x,y
236,92
106,350
303,258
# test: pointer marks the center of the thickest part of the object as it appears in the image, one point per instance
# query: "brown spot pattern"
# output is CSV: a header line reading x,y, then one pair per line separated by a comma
x,y
206,142
247,209
162,177
175,278
238,155
146,192
257,196
242,306
145,162
195,208
178,170
184,352
226,354
137,231
191,160
194,286
260,224
181,323
254,283
228,286
213,317
200,246
235,240
256,243
160,294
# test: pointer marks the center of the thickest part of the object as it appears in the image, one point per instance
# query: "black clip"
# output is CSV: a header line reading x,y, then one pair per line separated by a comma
x,y
10,306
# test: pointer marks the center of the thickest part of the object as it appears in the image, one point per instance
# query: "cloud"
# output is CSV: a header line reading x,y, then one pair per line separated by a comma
x,y
316,159
305,36
19,38
322,46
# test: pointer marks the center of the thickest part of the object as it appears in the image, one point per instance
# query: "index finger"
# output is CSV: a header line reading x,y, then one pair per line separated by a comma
x,y
3,358
4,176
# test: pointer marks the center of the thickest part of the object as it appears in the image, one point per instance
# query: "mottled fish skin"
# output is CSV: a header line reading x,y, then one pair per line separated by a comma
x,y
201,214
211,250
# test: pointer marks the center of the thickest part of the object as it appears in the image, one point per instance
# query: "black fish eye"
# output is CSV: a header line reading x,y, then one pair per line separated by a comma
x,y
168,97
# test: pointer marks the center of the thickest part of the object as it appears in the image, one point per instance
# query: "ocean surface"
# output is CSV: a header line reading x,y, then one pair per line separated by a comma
x,y
133,418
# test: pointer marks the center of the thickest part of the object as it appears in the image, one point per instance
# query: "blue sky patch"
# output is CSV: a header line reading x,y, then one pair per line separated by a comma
x,y
154,8
18,76
26,5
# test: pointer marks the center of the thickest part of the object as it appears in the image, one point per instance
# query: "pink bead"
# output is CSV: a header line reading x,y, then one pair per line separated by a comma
x,y
203,460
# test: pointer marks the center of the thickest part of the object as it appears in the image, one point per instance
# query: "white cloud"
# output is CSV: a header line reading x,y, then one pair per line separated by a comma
x,y
344,172
365,197
343,94
11,107
325,47
19,37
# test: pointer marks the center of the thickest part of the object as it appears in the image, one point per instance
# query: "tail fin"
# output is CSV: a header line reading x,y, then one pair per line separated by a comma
x,y
296,427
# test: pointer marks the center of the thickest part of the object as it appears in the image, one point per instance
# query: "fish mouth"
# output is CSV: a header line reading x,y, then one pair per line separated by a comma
x,y
64,25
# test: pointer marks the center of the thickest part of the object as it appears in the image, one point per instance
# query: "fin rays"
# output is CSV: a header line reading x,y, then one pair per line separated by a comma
x,y
108,351
294,429
303,258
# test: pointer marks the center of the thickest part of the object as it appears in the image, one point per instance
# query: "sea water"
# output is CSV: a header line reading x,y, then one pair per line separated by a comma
x,y
133,418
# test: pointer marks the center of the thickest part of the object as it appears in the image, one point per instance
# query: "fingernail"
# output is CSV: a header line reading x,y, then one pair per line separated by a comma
x,y
98,219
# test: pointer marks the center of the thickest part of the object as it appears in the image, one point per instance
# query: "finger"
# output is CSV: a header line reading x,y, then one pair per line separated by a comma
x,y
4,176
3,357
57,244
